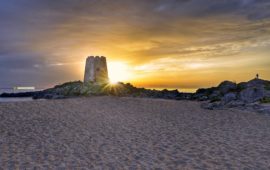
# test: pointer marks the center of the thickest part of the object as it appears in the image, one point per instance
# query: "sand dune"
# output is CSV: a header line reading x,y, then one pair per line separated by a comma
x,y
130,133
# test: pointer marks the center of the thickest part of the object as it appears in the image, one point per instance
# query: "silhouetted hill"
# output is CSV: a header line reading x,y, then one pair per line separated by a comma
x,y
78,88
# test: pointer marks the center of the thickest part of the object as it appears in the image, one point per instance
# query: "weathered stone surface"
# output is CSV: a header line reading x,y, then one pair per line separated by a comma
x,y
229,97
252,94
241,86
249,95
257,82
227,86
235,103
96,70
215,94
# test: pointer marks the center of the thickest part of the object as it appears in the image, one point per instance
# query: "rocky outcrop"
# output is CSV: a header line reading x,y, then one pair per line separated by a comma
x,y
226,87
252,94
78,88
255,90
246,95
229,97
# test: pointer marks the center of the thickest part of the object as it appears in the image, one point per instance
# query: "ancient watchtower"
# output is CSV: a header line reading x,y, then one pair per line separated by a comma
x,y
96,70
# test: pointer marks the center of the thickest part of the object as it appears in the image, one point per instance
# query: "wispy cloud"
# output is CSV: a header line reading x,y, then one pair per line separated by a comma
x,y
173,36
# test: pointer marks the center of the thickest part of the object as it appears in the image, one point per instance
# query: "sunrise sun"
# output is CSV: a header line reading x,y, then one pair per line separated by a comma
x,y
118,72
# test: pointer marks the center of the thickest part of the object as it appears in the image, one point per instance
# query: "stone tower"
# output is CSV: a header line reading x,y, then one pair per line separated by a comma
x,y
96,70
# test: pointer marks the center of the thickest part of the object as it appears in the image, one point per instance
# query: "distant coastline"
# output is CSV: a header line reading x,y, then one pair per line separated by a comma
x,y
6,90
185,90
13,90
15,99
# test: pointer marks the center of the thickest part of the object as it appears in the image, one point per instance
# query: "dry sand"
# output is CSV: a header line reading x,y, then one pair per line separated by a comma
x,y
130,133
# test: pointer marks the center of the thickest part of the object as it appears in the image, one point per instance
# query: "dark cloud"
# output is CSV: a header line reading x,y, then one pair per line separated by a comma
x,y
18,70
18,62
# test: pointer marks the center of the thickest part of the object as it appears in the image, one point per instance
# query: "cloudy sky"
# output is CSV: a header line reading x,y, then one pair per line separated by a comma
x,y
182,44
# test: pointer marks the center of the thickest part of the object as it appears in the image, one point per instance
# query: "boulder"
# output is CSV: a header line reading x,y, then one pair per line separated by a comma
x,y
229,97
215,96
257,82
252,94
207,91
255,90
227,86
241,86
235,103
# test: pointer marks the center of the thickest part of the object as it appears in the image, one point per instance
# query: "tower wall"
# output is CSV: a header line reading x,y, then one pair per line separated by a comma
x,y
96,70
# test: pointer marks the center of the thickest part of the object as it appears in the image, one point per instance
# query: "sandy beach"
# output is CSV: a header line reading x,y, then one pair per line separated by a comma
x,y
130,133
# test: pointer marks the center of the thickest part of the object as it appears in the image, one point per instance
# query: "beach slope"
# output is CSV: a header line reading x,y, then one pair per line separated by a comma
x,y
130,133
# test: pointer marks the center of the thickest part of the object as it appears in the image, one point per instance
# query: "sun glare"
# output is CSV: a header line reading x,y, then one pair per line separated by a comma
x,y
118,72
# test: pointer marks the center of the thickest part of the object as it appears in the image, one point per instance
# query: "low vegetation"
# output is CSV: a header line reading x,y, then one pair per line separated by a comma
x,y
265,100
215,99
78,88
267,87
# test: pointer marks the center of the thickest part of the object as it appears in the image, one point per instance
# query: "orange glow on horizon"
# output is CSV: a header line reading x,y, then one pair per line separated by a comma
x,y
119,72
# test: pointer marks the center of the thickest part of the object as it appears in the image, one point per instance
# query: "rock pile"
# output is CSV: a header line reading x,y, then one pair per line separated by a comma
x,y
247,95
